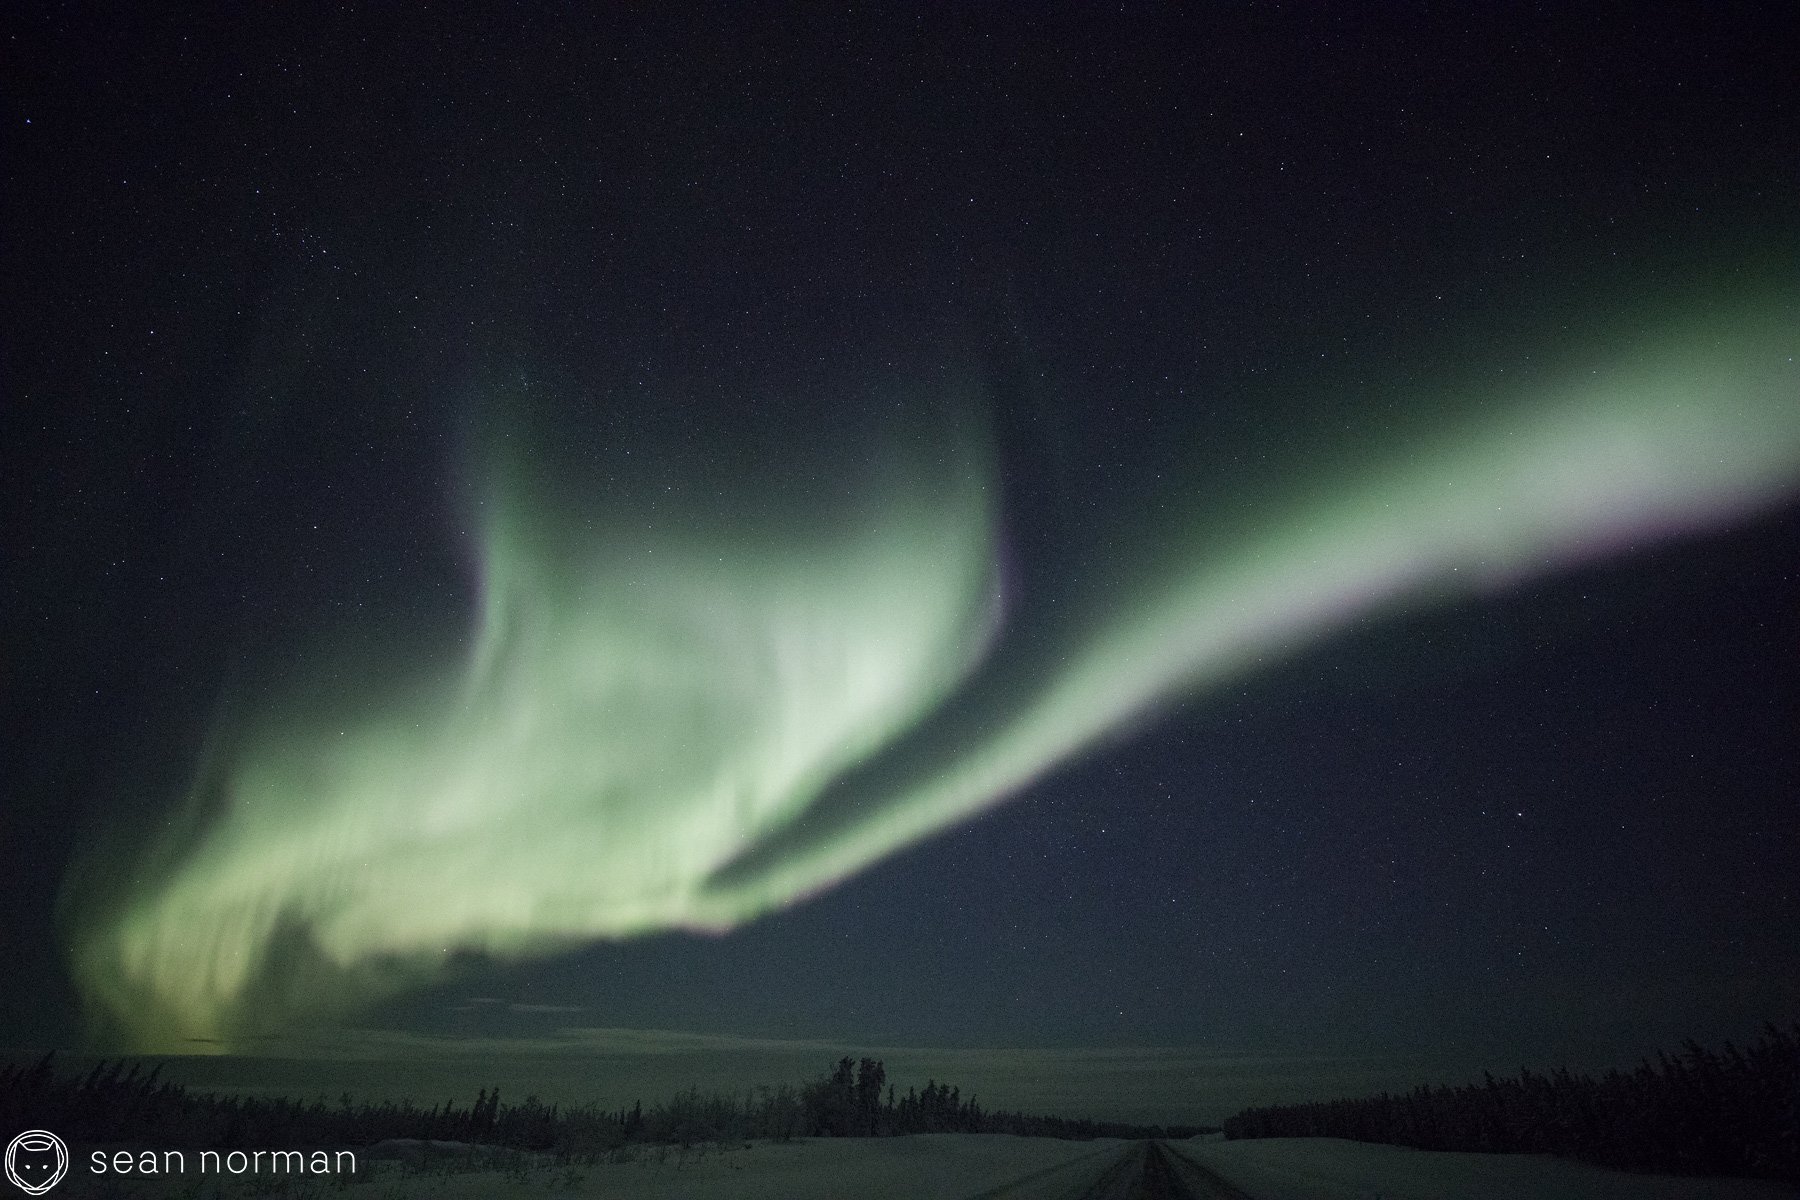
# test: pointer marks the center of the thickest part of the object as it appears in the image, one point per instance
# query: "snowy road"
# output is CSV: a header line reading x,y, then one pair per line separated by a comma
x,y
1137,1171
1185,1178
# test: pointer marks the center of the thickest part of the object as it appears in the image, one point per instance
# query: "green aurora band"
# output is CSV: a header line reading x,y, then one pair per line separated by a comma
x,y
665,726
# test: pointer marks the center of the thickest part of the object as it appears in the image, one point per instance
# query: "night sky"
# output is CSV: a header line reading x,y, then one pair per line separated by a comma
x,y
1262,531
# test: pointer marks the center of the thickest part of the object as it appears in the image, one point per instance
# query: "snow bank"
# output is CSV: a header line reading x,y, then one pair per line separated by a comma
x,y
1334,1169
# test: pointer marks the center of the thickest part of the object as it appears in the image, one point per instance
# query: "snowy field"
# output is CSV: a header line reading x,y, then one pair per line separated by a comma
x,y
966,1167
1334,1169
925,1167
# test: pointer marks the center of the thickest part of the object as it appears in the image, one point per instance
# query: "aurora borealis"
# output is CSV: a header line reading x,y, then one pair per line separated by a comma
x,y
1261,534
649,721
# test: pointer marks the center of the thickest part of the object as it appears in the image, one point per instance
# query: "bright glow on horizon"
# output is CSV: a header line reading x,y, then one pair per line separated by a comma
x,y
662,728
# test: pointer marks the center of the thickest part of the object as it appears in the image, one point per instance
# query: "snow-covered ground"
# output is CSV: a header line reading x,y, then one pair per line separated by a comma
x,y
926,1167
1334,1169
968,1167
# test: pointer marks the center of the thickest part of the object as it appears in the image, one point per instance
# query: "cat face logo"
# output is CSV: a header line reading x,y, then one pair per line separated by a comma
x,y
36,1161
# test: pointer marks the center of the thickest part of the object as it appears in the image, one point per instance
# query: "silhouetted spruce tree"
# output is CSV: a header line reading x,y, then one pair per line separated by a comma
x,y
870,1076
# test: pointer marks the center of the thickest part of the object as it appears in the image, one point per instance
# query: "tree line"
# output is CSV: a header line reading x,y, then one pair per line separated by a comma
x,y
1699,1112
121,1102
849,1102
